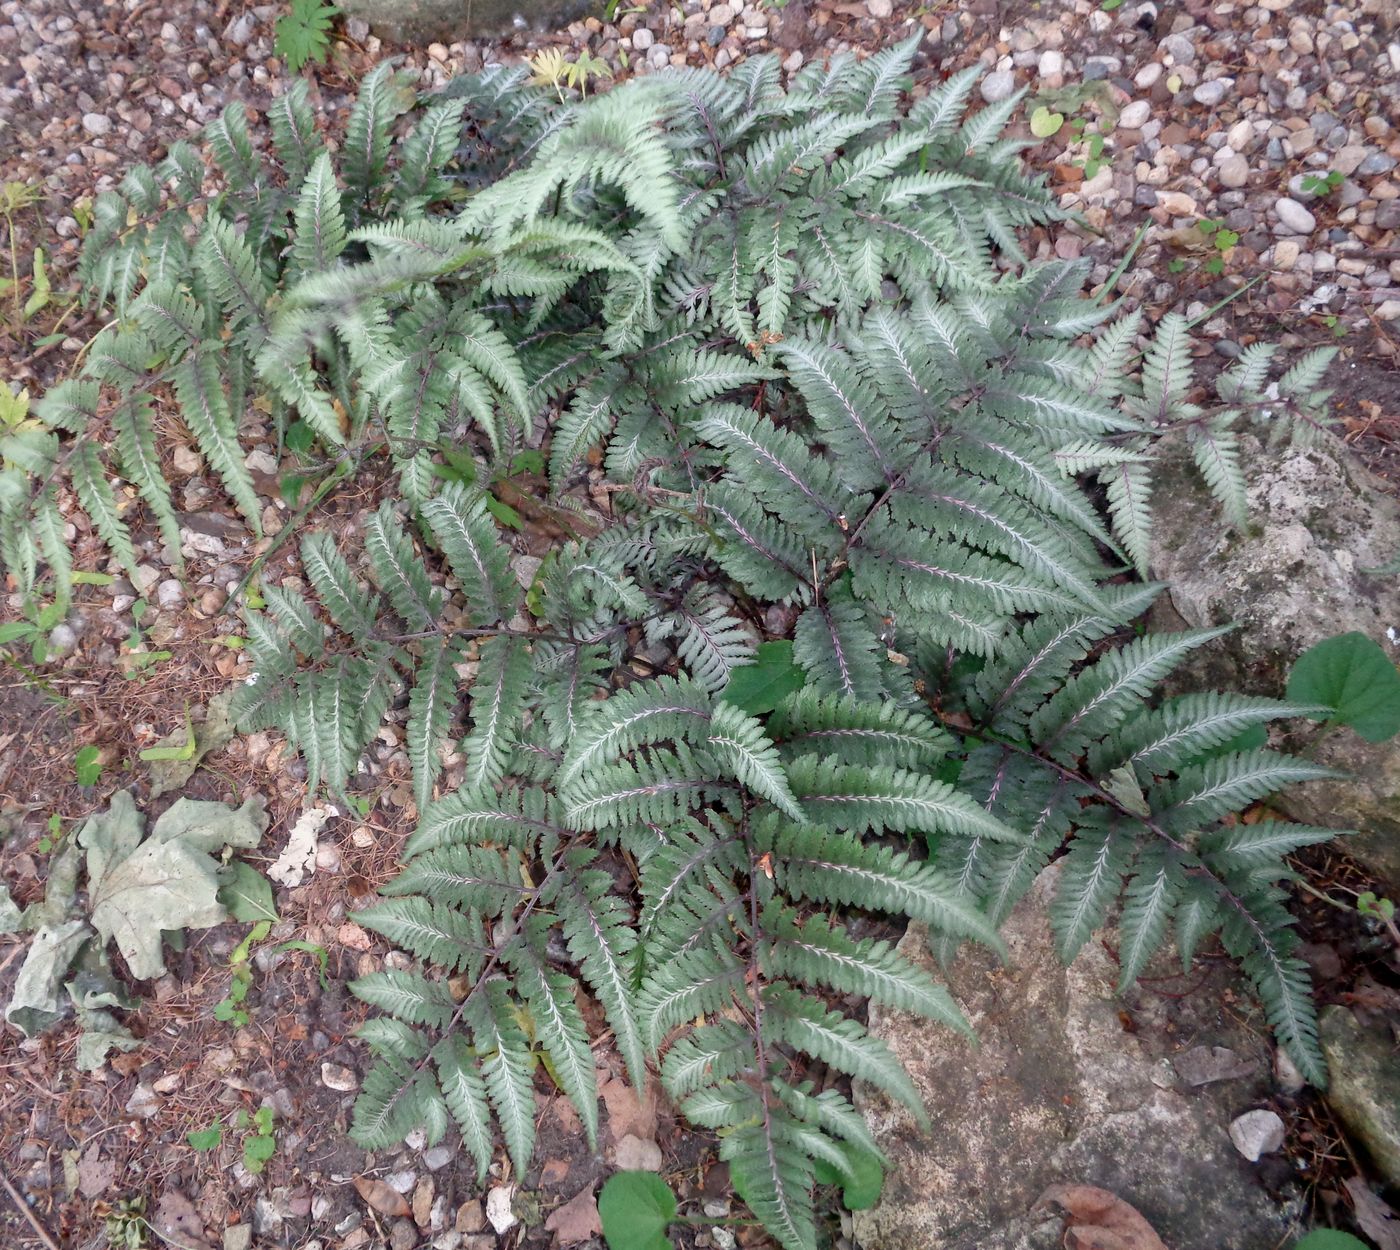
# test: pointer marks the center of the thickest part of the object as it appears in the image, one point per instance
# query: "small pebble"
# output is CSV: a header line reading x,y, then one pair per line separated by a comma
x,y
1213,92
1257,1133
1135,115
998,86
96,124
1294,217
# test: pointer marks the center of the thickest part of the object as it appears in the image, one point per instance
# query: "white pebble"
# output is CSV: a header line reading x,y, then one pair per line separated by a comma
x,y
1257,1133
1293,216
1135,116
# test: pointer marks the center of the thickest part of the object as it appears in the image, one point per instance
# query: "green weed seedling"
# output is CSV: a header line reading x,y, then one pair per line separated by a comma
x,y
260,1144
302,34
1322,184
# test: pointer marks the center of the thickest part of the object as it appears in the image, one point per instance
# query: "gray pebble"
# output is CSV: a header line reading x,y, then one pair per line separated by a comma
x,y
1302,187
170,594
1145,197
715,36
642,39
1179,48
998,86
97,124
62,639
1294,218
1226,348
1213,92
1388,215
1274,151
1376,163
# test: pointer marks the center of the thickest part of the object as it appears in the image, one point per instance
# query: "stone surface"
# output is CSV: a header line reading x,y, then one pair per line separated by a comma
x,y
1317,518
1059,1092
423,21
1364,1086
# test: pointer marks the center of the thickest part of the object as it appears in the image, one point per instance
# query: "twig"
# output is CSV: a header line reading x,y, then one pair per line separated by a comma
x,y
18,1199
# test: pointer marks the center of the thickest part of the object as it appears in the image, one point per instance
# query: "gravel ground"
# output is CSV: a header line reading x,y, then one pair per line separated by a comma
x,y
1228,113
1220,113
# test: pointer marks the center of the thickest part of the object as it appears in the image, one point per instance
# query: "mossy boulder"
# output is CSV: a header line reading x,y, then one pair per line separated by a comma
x,y
1364,1085
1317,520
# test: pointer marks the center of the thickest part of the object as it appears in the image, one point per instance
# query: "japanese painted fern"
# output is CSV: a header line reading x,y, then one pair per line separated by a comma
x,y
788,339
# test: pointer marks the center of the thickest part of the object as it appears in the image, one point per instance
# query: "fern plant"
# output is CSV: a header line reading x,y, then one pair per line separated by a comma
x,y
788,336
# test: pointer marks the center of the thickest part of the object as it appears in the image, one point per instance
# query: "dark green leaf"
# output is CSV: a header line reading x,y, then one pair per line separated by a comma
x,y
205,1138
862,1182
247,894
1354,677
1330,1239
759,687
636,1208
300,436
87,766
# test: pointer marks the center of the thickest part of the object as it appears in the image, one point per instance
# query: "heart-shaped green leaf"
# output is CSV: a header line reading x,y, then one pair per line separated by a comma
x,y
636,1208
1044,123
1353,676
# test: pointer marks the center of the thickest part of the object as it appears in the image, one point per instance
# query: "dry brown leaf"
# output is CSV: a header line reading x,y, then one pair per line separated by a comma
x,y
1377,1218
577,1220
383,1198
1099,1220
95,1172
626,1112
177,1221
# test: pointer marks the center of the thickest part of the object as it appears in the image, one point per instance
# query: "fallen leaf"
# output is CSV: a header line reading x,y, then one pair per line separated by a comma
x,y
177,1222
499,1210
168,881
37,1002
213,729
627,1113
95,1172
298,858
1201,1065
577,1220
1376,1217
383,1198
1100,1220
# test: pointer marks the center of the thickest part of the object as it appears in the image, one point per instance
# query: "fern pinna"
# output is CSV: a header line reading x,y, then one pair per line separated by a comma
x,y
787,337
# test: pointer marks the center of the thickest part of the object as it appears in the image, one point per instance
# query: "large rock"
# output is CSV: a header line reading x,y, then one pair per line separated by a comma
x,y
423,21
1060,1091
1317,518
1364,1089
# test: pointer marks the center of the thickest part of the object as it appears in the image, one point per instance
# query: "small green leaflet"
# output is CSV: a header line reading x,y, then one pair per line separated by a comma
x,y
87,766
1044,123
205,1138
301,33
247,894
759,687
863,1181
1354,677
1330,1239
300,437
636,1208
